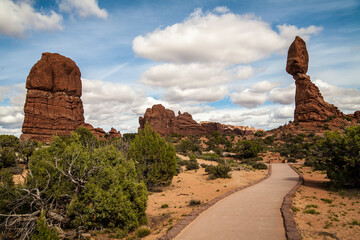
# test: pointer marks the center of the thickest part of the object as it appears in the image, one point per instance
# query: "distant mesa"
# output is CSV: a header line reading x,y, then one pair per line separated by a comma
x,y
53,105
164,122
309,103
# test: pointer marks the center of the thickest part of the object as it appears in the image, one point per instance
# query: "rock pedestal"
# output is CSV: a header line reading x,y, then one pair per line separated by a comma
x,y
309,103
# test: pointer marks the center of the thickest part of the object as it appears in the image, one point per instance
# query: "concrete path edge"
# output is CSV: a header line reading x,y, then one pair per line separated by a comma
x,y
177,228
292,233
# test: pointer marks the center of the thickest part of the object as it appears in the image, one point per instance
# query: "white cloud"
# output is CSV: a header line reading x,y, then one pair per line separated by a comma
x,y
221,9
83,8
266,117
225,38
196,95
185,76
244,72
96,91
289,31
283,95
18,17
254,96
12,112
346,99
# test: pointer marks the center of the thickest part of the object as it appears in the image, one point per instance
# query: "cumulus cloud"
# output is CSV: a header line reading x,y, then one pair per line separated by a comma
x,y
83,8
284,95
12,109
244,72
346,99
266,117
18,17
219,36
254,96
212,49
196,95
185,76
289,31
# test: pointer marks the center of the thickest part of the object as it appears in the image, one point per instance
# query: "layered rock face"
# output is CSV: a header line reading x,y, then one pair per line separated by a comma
x,y
309,103
164,122
53,105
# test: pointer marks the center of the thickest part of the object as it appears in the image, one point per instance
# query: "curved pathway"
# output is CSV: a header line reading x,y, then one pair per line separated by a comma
x,y
252,213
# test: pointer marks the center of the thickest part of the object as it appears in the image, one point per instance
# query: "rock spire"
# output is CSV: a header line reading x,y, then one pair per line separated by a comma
x,y
309,103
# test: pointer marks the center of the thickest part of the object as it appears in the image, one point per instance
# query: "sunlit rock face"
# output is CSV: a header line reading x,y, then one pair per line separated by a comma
x,y
53,105
309,103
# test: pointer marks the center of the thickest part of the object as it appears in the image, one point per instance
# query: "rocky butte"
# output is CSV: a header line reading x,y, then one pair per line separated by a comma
x,y
164,122
53,105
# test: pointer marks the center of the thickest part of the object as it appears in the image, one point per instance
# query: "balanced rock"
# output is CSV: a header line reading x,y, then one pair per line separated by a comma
x,y
309,103
298,57
53,105
164,122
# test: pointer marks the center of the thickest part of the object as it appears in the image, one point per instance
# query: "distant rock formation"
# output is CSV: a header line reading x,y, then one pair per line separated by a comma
x,y
309,103
53,105
164,122
114,133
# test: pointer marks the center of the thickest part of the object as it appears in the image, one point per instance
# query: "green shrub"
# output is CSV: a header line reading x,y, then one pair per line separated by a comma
x,y
341,156
210,157
155,158
326,200
249,149
43,231
259,166
295,209
311,211
88,187
192,165
194,202
180,161
291,160
204,165
186,146
7,157
311,206
260,133
222,170
143,231
192,157
165,205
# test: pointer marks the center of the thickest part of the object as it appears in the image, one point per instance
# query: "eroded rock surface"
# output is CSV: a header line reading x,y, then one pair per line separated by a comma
x,y
309,103
164,122
53,105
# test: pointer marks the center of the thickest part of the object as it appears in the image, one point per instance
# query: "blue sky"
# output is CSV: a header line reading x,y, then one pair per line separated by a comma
x,y
218,60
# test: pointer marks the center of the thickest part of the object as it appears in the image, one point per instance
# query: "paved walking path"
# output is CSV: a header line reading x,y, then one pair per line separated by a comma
x,y
252,213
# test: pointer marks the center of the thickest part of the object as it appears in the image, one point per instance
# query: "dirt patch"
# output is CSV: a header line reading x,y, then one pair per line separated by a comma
x,y
168,207
321,213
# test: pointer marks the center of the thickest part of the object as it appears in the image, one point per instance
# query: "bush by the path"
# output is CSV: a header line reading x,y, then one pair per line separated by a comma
x,y
155,158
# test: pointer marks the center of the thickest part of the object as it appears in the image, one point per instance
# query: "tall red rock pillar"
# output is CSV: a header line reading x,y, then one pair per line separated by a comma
x,y
309,103
53,105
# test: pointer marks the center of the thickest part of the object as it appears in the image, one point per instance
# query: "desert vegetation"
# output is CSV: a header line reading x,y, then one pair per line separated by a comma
x,y
79,184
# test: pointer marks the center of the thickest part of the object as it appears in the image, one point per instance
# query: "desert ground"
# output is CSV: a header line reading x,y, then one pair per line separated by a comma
x,y
166,208
321,212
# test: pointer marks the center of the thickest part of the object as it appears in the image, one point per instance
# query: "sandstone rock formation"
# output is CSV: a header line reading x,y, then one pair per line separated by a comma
x,y
164,122
309,103
53,105
114,133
